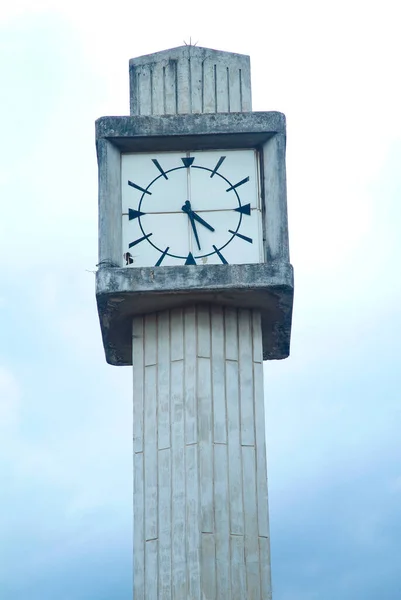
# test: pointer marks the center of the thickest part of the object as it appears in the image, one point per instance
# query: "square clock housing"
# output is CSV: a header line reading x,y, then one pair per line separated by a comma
x,y
192,209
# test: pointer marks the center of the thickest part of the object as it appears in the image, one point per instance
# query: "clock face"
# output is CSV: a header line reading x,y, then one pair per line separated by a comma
x,y
191,208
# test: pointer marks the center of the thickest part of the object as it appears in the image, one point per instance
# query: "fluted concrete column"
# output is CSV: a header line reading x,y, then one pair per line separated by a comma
x,y
201,528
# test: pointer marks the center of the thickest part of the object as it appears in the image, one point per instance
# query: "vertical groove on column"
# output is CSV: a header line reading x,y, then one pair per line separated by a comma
x,y
193,548
196,85
262,498
150,455
205,410
236,511
238,578
266,586
163,380
151,571
208,86
178,467
164,454
169,88
261,469
221,499
218,376
191,416
177,334
150,458
150,341
257,337
183,84
178,482
205,448
231,331
138,413
145,89
165,566
222,522
234,89
246,95
246,377
208,567
222,103
137,373
251,523
139,533
157,89
245,356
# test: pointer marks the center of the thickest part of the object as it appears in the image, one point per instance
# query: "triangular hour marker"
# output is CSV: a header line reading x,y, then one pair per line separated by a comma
x,y
190,260
188,160
245,209
134,214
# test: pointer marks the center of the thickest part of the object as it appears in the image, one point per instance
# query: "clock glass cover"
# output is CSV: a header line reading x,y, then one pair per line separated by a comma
x,y
191,208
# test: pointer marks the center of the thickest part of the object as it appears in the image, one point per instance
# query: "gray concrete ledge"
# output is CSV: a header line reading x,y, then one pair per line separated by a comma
x,y
201,131
124,293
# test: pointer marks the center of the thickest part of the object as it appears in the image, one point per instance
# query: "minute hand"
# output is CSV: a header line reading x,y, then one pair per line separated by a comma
x,y
201,221
191,218
187,209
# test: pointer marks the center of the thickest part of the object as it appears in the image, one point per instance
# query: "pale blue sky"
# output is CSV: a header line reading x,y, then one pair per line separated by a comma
x,y
333,408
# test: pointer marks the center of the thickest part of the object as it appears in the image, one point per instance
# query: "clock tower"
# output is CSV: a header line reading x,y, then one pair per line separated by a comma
x,y
194,290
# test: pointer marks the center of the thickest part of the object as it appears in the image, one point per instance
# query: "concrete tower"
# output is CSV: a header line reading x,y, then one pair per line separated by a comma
x,y
194,290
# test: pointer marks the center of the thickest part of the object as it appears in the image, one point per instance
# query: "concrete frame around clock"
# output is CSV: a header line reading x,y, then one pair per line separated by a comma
x,y
123,293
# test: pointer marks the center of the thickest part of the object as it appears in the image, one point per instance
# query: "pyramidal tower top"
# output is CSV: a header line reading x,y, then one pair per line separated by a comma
x,y
190,79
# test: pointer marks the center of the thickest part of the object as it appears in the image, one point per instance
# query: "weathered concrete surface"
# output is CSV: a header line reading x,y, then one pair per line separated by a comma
x,y
201,528
164,129
124,293
190,79
143,290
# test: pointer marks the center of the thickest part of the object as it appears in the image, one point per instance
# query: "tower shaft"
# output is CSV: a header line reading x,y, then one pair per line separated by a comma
x,y
200,485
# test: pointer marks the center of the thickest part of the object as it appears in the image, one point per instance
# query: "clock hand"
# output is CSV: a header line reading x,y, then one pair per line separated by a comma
x,y
200,220
191,218
187,209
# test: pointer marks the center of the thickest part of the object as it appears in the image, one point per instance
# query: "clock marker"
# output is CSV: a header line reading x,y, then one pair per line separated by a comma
x,y
245,209
219,254
190,260
220,161
159,262
188,161
237,184
138,241
157,164
138,187
134,214
243,237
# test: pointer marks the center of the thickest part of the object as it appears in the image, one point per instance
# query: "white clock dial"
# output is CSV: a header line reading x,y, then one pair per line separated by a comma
x,y
191,208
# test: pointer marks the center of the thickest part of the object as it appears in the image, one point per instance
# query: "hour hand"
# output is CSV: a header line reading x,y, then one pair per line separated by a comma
x,y
187,208
202,221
